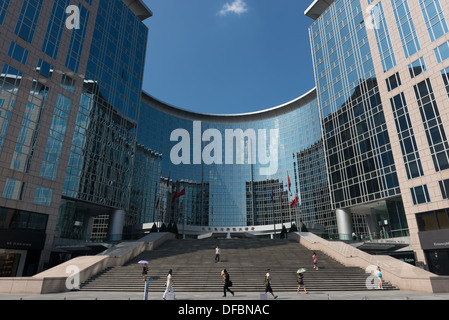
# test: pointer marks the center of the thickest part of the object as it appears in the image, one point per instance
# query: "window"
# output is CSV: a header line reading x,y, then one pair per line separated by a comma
x,y
77,41
68,83
3,9
44,68
383,38
56,137
393,82
13,189
26,140
442,52
18,52
55,28
420,194
27,21
433,220
417,67
406,27
444,187
43,196
434,18
10,80
406,136
435,132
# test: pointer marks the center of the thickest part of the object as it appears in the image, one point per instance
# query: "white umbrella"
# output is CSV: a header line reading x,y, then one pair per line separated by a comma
x,y
143,262
301,270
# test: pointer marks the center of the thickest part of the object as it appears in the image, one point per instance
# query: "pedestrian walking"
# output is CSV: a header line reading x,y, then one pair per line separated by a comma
x,y
227,282
315,261
169,286
379,275
144,271
300,281
268,283
217,254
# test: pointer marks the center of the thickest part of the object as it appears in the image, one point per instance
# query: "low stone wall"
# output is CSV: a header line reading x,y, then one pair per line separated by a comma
x,y
401,274
63,277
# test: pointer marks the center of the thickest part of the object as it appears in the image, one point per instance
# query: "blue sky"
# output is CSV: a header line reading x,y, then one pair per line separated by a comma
x,y
228,56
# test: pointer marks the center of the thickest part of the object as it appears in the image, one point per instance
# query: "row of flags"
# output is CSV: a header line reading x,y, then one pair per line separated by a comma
x,y
294,202
175,195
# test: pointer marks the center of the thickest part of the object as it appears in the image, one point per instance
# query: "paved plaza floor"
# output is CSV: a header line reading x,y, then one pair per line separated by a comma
x,y
217,296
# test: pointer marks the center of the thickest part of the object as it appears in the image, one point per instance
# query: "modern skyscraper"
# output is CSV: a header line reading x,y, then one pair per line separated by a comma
x,y
70,91
86,156
381,76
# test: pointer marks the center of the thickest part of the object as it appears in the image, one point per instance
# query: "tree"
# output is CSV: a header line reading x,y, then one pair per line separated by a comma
x,y
154,228
283,232
163,228
293,228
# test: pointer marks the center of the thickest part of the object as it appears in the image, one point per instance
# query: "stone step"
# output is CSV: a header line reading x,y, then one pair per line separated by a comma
x,y
195,270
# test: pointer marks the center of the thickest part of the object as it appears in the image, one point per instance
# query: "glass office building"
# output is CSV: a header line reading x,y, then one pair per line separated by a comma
x,y
87,157
70,91
239,170
381,76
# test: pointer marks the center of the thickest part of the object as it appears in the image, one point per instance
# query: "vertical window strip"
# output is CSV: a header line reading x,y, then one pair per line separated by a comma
x,y
406,28
55,28
442,52
77,41
435,133
420,194
13,189
3,9
10,80
383,38
406,136
55,140
43,196
417,67
434,18
18,52
27,21
24,149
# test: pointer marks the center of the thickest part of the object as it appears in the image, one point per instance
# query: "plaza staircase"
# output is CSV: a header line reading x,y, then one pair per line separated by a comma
x,y
246,260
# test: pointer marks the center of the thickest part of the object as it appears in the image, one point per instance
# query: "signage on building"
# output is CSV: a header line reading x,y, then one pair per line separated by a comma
x,y
21,239
436,239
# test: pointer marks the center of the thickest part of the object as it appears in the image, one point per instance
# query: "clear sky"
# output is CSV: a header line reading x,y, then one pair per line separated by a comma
x,y
228,56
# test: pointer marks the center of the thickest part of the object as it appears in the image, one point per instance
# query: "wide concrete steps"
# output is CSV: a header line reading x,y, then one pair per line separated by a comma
x,y
247,260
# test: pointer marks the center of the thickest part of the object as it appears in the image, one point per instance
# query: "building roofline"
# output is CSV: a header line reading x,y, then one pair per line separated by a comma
x,y
316,9
242,117
139,8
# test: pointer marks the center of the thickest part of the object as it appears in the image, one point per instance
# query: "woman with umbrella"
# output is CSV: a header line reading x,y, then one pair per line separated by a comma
x,y
300,280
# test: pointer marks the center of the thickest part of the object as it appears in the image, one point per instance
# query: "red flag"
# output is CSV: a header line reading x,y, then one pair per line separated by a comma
x,y
289,183
181,193
157,204
295,202
292,203
280,197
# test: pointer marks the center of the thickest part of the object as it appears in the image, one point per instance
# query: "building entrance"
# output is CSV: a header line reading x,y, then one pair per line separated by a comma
x,y
438,261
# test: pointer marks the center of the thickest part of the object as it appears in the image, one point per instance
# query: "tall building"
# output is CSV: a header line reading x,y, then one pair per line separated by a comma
x,y
70,91
381,77
88,159
239,170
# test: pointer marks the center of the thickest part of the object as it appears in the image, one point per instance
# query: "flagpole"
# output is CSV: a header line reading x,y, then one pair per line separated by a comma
x,y
272,213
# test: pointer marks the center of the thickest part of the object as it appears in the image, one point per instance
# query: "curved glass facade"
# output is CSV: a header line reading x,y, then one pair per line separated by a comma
x,y
237,170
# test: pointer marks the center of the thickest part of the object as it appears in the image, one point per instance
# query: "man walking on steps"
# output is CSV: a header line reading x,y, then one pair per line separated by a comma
x,y
268,284
217,254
